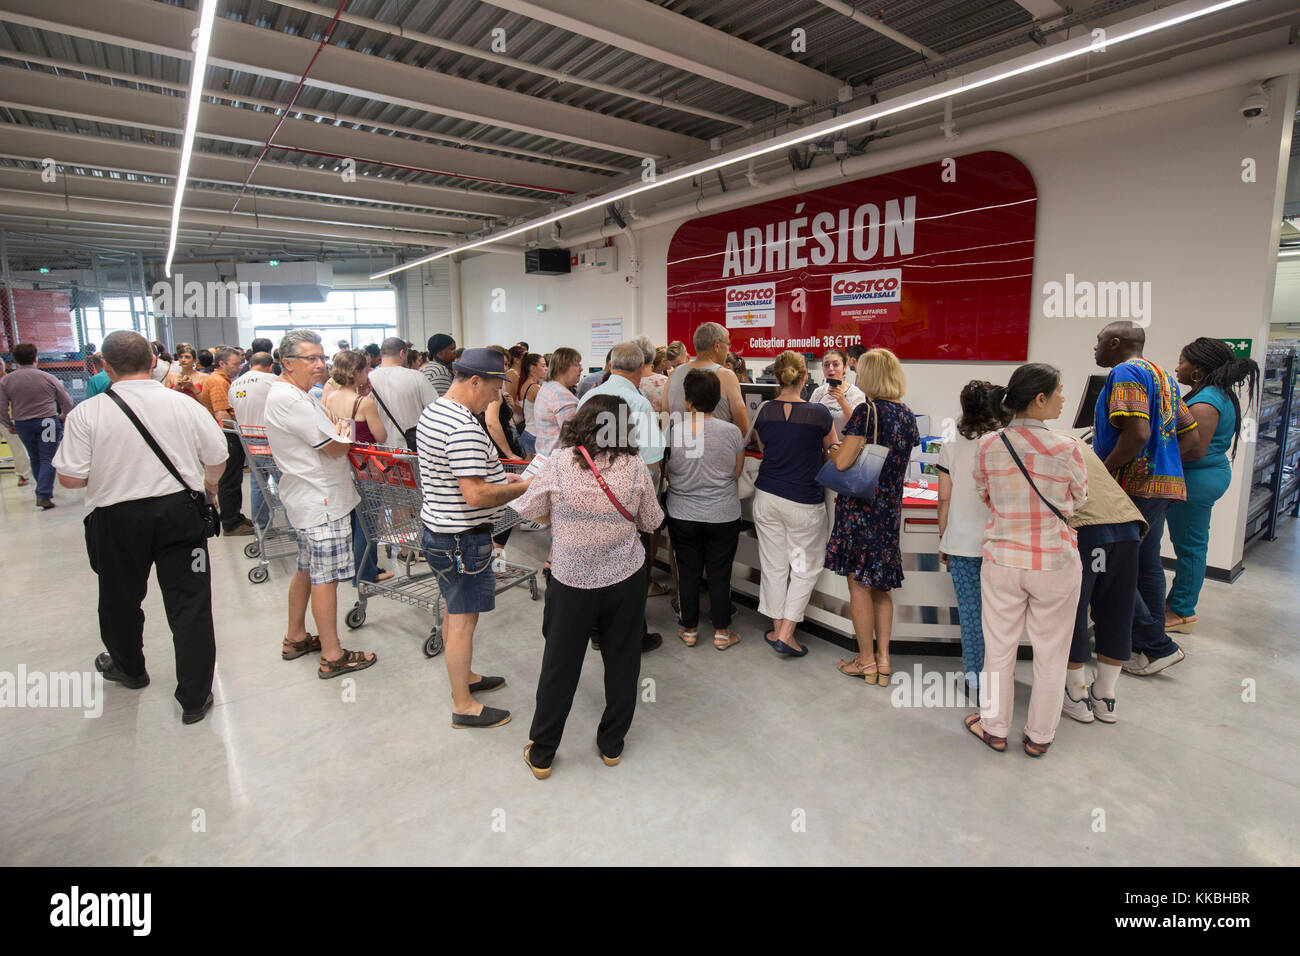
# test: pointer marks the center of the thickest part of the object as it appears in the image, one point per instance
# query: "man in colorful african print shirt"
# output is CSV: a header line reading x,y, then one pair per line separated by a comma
x,y
1143,427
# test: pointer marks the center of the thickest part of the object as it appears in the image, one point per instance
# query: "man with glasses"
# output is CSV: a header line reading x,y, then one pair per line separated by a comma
x,y
310,448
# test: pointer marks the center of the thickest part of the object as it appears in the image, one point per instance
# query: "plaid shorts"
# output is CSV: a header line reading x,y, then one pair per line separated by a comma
x,y
326,551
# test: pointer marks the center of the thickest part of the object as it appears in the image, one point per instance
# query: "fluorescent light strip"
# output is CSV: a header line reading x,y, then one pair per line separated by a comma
x,y
207,15
1139,26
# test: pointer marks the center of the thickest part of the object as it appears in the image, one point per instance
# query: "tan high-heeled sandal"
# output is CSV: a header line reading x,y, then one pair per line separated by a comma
x,y
868,676
1183,625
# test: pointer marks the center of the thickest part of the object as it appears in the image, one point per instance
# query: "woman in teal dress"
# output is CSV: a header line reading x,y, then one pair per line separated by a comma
x,y
1215,375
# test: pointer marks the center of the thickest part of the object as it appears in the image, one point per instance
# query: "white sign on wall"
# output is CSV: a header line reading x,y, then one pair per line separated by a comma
x,y
605,334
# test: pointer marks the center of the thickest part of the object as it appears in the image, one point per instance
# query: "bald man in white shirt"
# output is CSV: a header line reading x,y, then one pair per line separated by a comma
x,y
142,517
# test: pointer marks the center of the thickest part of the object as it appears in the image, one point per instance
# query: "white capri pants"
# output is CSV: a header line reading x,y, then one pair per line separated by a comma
x,y
22,467
791,550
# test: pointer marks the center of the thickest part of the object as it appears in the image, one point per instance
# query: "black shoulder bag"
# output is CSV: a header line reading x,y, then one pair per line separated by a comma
x,y
407,433
206,509
1021,465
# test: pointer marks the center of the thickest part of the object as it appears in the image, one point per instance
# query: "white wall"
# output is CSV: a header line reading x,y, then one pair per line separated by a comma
x,y
1152,195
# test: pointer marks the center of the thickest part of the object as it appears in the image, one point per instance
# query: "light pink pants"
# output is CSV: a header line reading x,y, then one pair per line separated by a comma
x,y
1042,603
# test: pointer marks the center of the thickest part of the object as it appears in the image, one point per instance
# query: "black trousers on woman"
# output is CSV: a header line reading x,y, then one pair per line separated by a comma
x,y
617,613
704,546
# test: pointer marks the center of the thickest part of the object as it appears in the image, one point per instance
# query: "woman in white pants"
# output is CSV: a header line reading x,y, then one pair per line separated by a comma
x,y
22,464
1030,575
789,514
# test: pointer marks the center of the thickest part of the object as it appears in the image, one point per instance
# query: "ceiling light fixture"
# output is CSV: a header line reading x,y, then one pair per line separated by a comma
x,y
207,15
1037,60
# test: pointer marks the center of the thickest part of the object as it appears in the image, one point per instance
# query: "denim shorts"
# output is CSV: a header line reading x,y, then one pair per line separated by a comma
x,y
472,589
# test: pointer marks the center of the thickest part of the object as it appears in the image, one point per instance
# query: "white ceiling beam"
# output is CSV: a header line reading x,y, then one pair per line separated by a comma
x,y
559,76
112,210
92,101
325,215
649,30
90,69
73,149
165,30
871,23
1043,9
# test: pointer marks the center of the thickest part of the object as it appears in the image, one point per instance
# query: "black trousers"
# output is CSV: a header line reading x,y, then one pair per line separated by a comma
x,y
230,490
123,541
703,546
617,612
1110,583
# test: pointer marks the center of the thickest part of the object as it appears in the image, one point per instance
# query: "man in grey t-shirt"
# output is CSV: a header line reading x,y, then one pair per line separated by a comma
x,y
712,342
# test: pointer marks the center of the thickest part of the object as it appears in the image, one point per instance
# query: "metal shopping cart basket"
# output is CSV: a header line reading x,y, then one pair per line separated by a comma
x,y
276,538
388,481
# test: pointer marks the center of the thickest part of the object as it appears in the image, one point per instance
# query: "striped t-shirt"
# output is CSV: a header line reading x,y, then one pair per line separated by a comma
x,y
451,444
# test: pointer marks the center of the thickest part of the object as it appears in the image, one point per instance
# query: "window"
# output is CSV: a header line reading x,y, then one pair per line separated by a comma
x,y
358,316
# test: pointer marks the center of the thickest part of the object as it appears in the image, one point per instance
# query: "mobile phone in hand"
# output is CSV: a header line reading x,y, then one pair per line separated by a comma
x,y
834,382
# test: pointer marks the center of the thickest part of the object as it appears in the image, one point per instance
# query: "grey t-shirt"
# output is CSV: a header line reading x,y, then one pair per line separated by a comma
x,y
677,395
701,471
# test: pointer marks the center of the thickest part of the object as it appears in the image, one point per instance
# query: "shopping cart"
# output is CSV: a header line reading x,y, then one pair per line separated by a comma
x,y
276,538
388,481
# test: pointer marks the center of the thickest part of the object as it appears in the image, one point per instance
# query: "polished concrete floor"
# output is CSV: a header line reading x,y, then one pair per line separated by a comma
x,y
738,758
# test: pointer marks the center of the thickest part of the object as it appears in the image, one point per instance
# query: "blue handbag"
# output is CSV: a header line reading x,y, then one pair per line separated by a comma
x,y
862,478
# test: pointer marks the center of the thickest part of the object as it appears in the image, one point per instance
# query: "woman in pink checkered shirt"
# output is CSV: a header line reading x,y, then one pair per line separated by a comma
x,y
1031,575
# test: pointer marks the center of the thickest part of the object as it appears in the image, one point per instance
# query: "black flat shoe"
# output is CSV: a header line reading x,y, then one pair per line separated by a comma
x,y
194,716
486,684
45,504
490,717
104,664
651,641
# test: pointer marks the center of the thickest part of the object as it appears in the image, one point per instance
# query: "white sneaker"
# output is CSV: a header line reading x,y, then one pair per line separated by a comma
x,y
1080,710
1103,708
531,526
1143,666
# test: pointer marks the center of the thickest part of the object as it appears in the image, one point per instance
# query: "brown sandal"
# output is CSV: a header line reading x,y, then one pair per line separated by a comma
x,y
1035,749
724,638
292,650
994,743
350,661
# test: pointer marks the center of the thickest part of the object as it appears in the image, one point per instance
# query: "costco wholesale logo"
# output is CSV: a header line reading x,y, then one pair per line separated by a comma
x,y
751,306
866,288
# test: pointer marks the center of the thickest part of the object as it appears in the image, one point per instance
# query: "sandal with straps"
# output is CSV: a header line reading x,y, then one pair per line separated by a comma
x,y
292,650
862,673
688,635
994,743
724,638
1033,748
350,661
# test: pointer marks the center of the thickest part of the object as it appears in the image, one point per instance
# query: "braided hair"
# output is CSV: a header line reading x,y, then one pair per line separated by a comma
x,y
1224,370
978,414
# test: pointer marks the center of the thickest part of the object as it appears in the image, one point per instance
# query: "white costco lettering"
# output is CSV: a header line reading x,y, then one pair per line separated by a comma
x,y
866,288
751,306
847,235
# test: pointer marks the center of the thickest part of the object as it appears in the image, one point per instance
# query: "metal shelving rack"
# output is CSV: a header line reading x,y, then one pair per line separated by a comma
x,y
1275,485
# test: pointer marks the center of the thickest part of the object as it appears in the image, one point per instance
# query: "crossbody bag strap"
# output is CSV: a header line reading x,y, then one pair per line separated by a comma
x,y
605,487
1021,465
149,440
391,417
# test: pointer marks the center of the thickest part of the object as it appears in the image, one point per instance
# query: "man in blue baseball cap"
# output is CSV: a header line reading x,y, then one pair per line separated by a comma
x,y
465,490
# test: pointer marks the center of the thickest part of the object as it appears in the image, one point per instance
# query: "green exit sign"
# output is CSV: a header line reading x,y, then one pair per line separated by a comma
x,y
1240,347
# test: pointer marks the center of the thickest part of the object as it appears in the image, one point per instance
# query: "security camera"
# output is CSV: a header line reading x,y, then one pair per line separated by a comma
x,y
1255,107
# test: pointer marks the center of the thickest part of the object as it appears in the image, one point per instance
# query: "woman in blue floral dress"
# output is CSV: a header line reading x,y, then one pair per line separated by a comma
x,y
864,542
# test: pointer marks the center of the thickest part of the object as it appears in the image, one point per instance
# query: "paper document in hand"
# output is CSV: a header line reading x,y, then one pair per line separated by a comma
x,y
327,427
534,466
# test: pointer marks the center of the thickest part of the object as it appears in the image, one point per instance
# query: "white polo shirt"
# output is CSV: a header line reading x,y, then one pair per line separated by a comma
x,y
405,393
314,488
101,445
248,397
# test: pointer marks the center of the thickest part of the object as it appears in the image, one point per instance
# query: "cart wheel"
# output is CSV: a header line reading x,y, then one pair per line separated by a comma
x,y
433,644
532,588
356,617
258,574
252,549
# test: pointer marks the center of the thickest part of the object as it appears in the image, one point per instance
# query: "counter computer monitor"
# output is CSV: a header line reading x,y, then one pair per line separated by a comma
x,y
1083,416
755,394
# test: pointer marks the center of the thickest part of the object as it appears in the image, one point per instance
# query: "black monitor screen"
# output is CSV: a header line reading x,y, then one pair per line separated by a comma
x,y
1083,416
